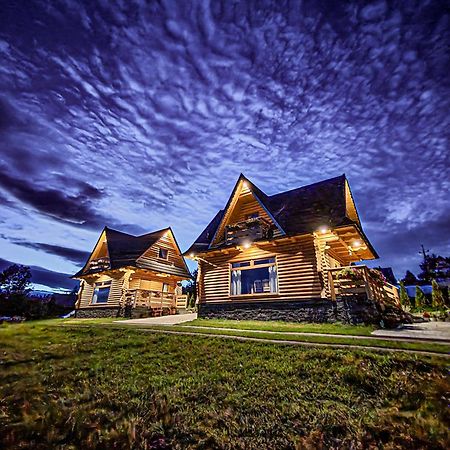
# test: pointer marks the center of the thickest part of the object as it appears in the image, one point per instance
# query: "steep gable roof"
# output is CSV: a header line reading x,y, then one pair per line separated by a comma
x,y
125,249
297,211
242,186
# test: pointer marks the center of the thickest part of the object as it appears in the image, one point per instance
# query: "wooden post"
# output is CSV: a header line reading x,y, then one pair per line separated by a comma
x,y
331,284
368,287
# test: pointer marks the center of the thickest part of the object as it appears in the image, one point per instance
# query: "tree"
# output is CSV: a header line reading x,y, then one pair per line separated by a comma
x,y
434,267
14,287
437,297
404,297
15,280
409,279
420,298
191,289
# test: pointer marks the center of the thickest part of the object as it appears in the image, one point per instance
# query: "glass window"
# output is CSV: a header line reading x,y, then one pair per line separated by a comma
x,y
101,292
163,253
264,261
240,264
250,279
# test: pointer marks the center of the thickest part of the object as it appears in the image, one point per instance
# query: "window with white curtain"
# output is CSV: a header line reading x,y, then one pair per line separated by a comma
x,y
257,276
101,292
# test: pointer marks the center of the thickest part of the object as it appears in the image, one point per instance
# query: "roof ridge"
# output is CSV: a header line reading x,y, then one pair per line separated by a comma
x,y
308,185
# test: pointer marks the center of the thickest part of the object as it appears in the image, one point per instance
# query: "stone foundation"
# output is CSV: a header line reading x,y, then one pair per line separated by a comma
x,y
98,313
355,310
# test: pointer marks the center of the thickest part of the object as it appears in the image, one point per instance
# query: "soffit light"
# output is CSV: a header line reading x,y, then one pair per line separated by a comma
x,y
246,244
323,229
356,243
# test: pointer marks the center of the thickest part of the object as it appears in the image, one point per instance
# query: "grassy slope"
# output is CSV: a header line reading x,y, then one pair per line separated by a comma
x,y
363,330
97,387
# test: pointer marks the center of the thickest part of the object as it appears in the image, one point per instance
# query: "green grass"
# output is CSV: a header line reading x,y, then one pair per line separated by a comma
x,y
334,340
104,387
363,330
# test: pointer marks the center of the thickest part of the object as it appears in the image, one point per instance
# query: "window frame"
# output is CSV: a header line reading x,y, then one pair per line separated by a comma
x,y
101,285
160,249
251,266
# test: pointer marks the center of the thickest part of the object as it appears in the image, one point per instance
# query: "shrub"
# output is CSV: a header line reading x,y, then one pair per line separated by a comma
x,y
419,302
437,298
404,297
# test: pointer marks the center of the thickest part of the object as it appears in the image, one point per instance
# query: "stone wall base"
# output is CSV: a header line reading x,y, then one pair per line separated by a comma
x,y
355,310
98,313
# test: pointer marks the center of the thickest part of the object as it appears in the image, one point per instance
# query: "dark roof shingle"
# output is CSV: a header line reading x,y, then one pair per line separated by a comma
x,y
297,211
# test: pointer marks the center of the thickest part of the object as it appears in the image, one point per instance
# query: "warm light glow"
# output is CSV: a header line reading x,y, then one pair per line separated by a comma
x,y
246,244
324,229
192,254
245,185
356,244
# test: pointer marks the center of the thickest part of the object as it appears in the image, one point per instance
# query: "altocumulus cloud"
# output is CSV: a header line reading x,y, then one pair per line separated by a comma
x,y
142,114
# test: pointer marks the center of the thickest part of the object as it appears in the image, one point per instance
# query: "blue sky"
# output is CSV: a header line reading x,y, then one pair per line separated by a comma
x,y
139,115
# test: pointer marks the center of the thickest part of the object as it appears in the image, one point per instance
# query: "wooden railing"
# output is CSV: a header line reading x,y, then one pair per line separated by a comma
x,y
181,301
360,282
99,264
252,229
159,302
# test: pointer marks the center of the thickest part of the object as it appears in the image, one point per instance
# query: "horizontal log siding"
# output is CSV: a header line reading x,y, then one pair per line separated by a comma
x,y
151,255
114,293
151,284
297,272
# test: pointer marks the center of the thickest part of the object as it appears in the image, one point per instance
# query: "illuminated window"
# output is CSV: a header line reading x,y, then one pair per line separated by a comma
x,y
257,276
101,292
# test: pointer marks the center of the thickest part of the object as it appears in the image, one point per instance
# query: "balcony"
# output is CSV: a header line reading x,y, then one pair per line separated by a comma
x,y
98,265
350,281
248,230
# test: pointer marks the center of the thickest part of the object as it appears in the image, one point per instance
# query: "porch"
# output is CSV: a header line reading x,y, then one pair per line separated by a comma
x,y
155,303
350,281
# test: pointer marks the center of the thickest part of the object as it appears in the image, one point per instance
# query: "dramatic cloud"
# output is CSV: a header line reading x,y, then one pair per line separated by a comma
x,y
142,114
45,277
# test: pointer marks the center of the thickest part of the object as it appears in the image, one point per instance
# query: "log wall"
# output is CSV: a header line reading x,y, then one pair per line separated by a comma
x,y
296,269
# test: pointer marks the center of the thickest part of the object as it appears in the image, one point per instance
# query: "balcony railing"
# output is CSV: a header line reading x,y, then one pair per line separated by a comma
x,y
360,280
99,264
250,229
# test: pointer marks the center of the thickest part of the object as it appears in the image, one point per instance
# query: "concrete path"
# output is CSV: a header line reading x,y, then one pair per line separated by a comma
x,y
433,331
164,320
300,343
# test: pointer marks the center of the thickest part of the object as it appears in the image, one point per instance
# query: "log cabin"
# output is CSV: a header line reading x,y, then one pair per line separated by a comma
x,y
289,256
132,276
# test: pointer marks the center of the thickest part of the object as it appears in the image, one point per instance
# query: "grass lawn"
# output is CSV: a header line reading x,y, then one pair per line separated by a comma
x,y
332,328
103,387
334,340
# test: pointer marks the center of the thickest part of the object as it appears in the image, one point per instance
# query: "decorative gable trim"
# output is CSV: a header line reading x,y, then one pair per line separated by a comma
x,y
231,204
350,204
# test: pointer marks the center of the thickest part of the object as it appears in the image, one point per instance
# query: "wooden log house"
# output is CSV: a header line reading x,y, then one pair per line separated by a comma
x,y
284,257
132,276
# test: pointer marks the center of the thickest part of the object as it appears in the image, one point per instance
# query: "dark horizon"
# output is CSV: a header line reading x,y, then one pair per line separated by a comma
x,y
141,116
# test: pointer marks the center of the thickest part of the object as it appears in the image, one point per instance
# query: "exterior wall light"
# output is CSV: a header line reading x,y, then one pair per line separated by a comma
x,y
323,229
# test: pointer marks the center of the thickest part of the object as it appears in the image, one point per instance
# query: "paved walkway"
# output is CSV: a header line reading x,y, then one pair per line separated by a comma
x,y
433,331
301,343
164,320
